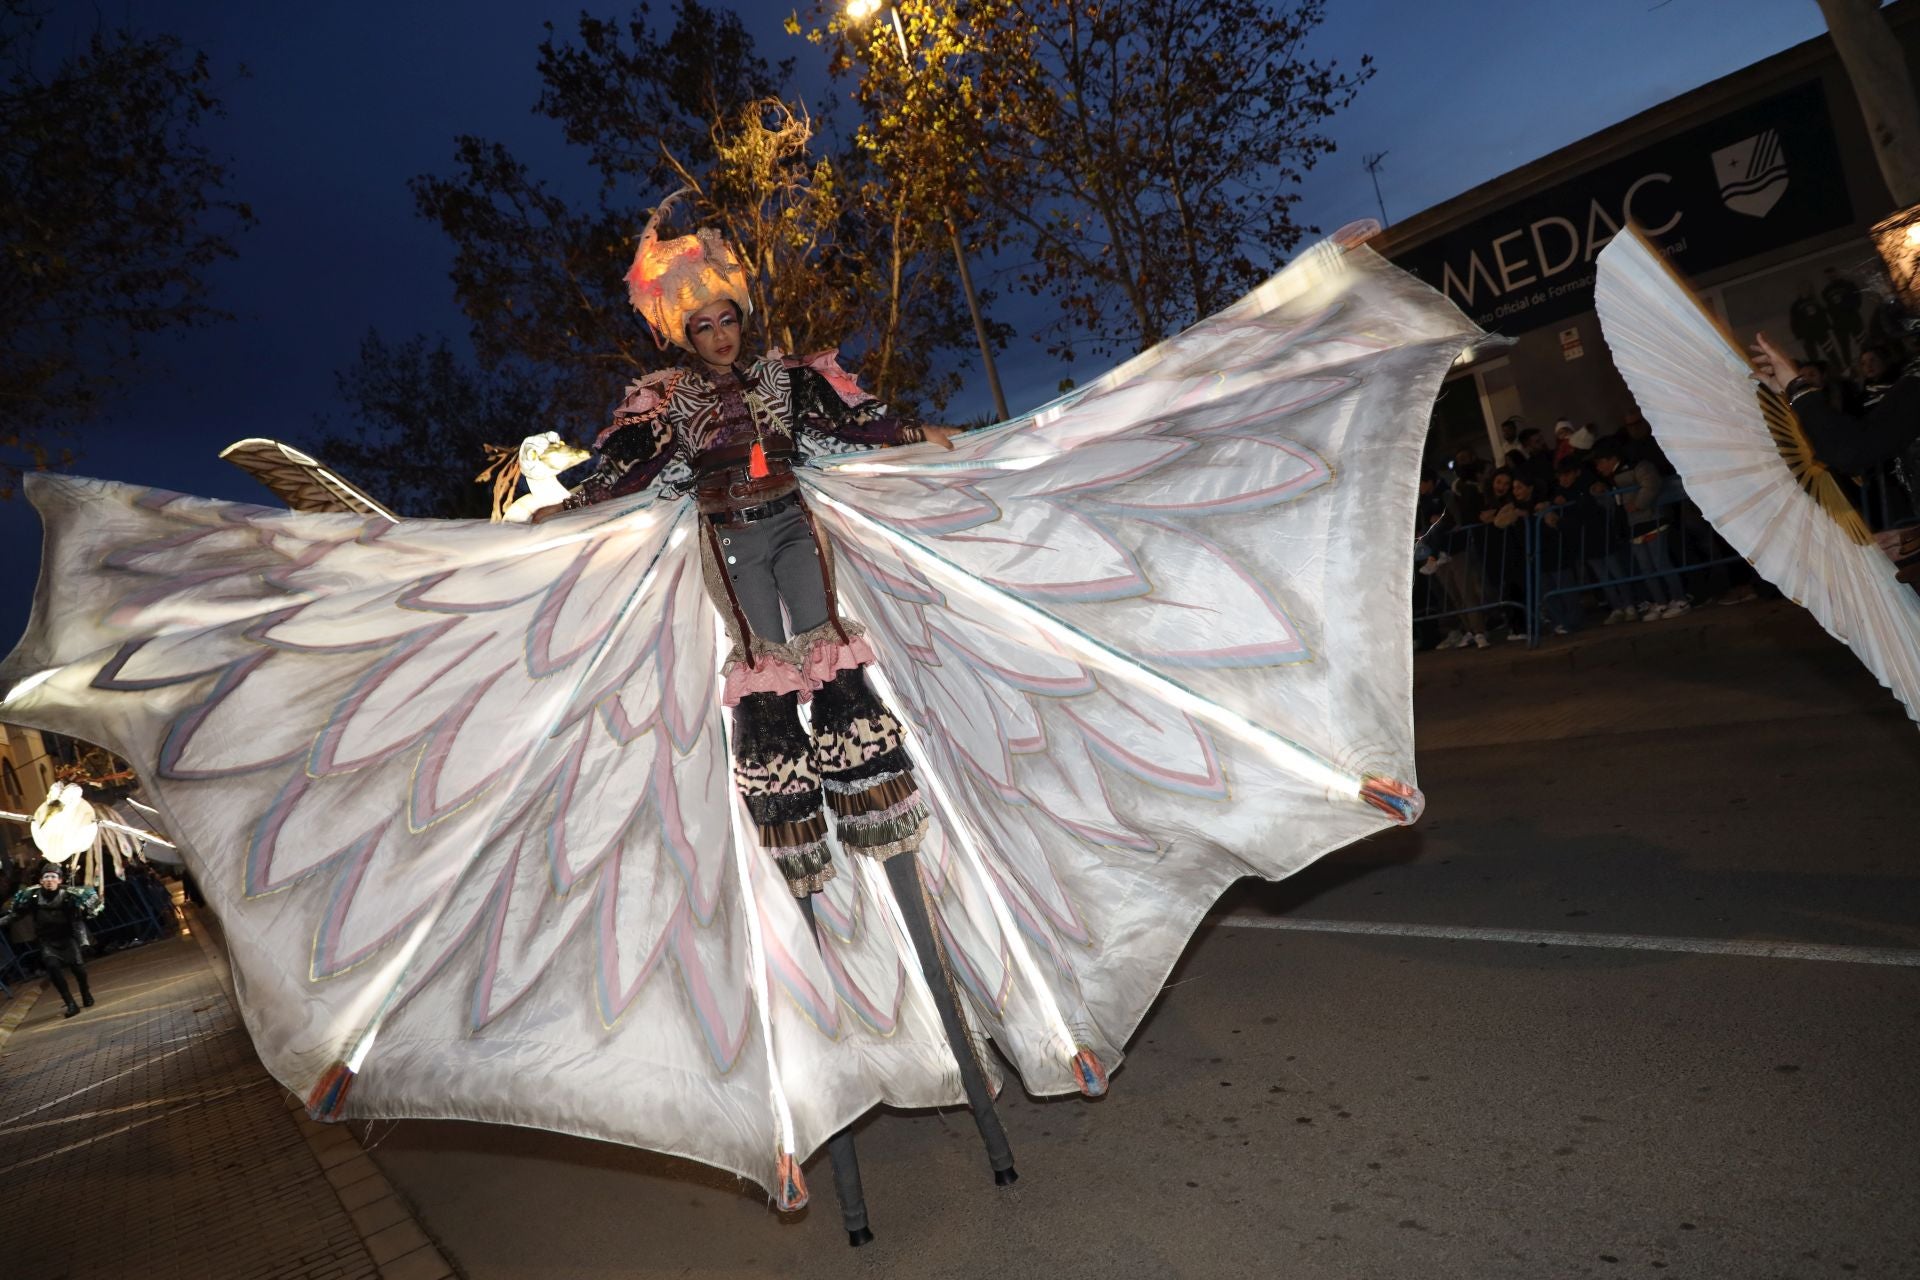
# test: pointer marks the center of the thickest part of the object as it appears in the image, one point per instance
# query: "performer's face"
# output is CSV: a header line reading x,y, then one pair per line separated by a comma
x,y
714,331
49,882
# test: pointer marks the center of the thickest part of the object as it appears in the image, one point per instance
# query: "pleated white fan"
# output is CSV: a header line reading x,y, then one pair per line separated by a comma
x,y
1748,466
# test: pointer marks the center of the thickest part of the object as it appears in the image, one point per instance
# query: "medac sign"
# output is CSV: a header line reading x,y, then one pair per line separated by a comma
x,y
1749,182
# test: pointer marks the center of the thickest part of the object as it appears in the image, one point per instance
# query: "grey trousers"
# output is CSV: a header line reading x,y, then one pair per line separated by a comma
x,y
773,562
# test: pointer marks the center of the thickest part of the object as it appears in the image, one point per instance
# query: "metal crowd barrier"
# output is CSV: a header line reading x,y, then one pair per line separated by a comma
x,y
1482,582
1535,574
1601,550
128,917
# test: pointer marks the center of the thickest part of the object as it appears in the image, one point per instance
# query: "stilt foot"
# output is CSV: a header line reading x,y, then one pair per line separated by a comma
x,y
1006,1177
857,1238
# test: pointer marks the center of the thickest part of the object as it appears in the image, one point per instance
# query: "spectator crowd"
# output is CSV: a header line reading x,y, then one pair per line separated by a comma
x,y
1577,526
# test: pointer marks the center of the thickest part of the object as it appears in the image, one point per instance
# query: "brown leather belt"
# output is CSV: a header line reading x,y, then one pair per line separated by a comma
x,y
738,490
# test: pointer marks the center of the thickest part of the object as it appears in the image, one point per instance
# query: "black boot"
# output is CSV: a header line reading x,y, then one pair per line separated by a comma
x,y
72,1009
86,998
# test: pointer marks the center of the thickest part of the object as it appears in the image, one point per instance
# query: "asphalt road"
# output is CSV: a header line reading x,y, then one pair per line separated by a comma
x,y
1382,1104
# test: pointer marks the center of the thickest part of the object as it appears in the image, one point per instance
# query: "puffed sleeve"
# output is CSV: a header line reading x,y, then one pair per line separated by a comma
x,y
635,448
819,410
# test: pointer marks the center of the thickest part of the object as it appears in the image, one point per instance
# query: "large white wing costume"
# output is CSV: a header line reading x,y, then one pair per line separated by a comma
x,y
460,791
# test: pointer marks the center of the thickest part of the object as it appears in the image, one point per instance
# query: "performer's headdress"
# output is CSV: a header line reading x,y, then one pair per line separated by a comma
x,y
669,282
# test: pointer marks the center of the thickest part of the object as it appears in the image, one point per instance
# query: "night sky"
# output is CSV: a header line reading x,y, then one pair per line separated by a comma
x,y
346,102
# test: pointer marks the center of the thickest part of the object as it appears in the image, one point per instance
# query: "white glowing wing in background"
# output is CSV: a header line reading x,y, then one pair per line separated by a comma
x,y
1154,638
1696,390
460,792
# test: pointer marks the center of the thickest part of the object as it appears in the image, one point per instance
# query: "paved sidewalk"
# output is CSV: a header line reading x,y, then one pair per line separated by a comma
x,y
147,1135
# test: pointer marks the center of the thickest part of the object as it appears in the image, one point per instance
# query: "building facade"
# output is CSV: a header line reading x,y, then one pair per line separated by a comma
x,y
26,773
1760,187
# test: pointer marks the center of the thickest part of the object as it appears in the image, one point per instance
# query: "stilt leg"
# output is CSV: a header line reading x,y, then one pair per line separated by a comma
x,y
903,873
842,1154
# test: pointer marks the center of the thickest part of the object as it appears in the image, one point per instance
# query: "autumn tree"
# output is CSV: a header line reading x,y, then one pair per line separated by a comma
x,y
112,211
650,106
1137,160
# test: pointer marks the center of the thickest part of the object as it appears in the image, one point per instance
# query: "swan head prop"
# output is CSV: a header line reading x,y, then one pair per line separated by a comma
x,y
546,455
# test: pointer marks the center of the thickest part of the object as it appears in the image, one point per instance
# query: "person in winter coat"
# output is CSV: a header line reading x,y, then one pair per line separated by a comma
x,y
1645,527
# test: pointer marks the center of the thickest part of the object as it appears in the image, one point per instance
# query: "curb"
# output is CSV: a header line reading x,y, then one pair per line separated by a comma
x,y
1763,628
385,1222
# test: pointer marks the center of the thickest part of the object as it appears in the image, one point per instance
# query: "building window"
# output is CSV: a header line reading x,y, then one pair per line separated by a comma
x,y
10,781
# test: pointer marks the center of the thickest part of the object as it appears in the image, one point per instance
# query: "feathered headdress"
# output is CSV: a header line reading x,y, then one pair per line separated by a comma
x,y
669,282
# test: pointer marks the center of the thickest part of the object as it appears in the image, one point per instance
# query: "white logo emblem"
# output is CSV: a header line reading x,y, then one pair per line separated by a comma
x,y
1753,174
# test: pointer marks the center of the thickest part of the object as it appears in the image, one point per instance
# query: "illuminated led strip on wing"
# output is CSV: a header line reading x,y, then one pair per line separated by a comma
x,y
1289,755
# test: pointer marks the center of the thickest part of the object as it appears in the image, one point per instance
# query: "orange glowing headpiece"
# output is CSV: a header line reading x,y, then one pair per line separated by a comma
x,y
671,280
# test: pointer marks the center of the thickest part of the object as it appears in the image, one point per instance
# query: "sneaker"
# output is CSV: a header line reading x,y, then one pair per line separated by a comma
x,y
1618,615
1740,595
1454,640
1675,609
1646,607
1560,630
1516,635
1478,640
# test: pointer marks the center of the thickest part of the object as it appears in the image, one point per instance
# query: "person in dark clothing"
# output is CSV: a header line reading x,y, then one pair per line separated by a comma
x,y
1887,431
1439,518
1536,459
1586,535
1502,546
59,926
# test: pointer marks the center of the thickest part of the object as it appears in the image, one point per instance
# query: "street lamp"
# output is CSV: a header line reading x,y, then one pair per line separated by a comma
x,y
860,11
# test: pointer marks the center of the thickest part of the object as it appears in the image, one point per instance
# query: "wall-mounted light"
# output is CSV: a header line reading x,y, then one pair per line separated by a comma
x,y
1898,240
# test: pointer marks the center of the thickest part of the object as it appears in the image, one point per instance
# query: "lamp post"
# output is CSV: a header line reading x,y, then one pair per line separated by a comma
x,y
860,11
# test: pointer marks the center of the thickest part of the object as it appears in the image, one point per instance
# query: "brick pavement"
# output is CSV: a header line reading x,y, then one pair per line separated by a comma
x,y
147,1130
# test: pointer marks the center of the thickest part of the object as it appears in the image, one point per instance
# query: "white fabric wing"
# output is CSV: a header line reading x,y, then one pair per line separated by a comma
x,y
460,791
1153,638
1695,388
460,795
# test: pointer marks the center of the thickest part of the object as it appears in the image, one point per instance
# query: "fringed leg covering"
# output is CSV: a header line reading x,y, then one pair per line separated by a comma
x,y
773,767
868,778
